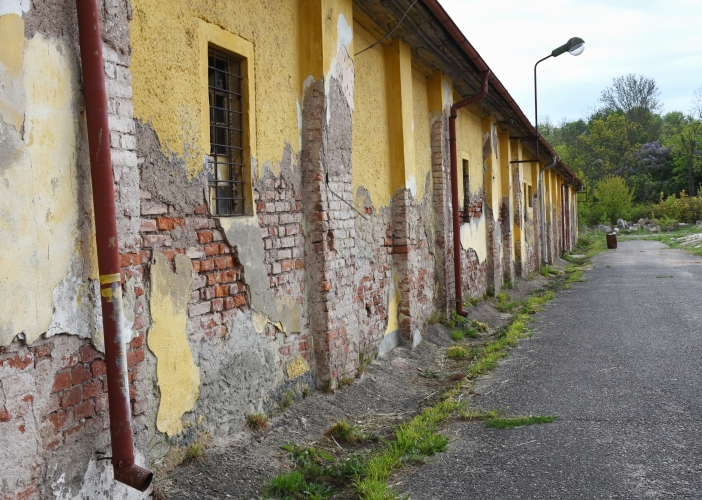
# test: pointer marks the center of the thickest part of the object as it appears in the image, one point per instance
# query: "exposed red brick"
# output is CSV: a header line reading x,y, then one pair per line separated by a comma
x,y
202,209
29,492
89,353
207,265
221,291
229,302
71,397
239,300
169,223
223,262
20,362
58,419
204,236
43,351
135,357
61,381
197,266
137,341
129,259
217,305
84,410
80,374
98,368
5,415
92,389
212,249
285,350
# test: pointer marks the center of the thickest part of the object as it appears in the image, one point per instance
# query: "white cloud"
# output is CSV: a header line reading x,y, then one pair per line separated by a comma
x,y
658,39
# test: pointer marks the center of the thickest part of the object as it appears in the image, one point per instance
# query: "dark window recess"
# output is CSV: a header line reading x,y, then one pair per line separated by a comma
x,y
466,190
226,180
530,196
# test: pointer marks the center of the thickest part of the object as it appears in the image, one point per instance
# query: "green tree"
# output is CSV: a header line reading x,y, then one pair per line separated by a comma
x,y
614,197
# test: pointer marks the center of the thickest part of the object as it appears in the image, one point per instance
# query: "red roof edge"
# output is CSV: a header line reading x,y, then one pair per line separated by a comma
x,y
442,17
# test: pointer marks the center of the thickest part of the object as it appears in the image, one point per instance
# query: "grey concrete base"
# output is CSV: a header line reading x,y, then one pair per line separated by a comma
x,y
416,339
389,342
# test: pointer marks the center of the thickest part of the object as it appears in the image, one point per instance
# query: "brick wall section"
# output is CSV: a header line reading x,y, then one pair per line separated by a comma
x,y
413,262
279,209
441,198
474,274
331,237
79,393
494,262
518,219
374,280
507,241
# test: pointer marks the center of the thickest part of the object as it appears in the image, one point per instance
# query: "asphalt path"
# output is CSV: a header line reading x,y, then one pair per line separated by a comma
x,y
618,359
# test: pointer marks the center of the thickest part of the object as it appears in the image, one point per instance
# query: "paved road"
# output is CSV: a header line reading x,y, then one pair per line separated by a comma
x,y
619,360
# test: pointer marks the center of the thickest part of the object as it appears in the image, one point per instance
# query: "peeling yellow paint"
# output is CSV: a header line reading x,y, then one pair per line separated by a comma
x,y
474,235
166,68
370,154
11,65
178,377
297,368
260,321
469,140
421,132
393,309
39,210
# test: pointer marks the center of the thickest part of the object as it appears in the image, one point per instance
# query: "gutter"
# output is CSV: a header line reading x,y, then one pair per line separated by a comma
x,y
443,18
457,270
90,40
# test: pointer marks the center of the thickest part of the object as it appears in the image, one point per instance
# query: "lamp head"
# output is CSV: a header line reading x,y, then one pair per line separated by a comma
x,y
575,46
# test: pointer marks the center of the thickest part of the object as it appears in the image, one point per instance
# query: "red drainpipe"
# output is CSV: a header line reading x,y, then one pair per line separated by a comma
x,y
454,189
90,39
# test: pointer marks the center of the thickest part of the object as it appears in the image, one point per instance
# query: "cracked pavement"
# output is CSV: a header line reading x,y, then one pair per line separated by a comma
x,y
617,359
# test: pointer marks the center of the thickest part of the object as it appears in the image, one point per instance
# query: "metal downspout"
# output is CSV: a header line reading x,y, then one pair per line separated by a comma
x,y
454,189
544,258
90,40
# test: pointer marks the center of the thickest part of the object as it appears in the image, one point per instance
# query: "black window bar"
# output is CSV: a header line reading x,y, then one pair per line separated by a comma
x,y
226,180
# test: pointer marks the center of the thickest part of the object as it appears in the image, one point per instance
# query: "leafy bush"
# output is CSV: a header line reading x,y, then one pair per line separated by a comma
x,y
614,198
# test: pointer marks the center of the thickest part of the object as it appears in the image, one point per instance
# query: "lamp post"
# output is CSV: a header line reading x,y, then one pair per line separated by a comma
x,y
575,46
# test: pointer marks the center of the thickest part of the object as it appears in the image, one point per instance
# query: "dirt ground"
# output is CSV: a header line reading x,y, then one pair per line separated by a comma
x,y
390,391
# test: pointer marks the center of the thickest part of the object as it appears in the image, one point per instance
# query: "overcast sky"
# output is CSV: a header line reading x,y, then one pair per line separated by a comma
x,y
657,39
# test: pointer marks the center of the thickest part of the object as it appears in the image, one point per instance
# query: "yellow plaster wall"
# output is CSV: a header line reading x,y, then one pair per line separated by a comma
x,y
370,155
166,72
11,49
398,74
422,132
178,377
39,207
469,145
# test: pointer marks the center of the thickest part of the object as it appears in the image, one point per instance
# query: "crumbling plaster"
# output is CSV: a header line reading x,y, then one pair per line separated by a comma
x,y
177,376
44,202
166,40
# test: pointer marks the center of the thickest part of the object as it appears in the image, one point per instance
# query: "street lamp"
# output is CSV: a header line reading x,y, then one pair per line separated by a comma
x,y
575,46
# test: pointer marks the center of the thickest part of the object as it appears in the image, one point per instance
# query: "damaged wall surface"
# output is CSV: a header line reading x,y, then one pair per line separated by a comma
x,y
343,250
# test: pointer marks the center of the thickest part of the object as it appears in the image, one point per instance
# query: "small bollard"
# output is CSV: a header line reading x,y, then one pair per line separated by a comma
x,y
612,240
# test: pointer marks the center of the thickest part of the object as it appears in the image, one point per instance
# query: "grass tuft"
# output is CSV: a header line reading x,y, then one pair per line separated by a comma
x,y
497,422
456,352
257,422
343,431
193,451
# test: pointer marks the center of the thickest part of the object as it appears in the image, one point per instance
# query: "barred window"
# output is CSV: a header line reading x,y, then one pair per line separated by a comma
x,y
226,180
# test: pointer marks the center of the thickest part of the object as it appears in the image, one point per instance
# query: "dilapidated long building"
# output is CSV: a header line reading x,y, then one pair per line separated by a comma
x,y
284,209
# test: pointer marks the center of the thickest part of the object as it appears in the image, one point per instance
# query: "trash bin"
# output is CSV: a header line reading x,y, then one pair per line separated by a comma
x,y
612,240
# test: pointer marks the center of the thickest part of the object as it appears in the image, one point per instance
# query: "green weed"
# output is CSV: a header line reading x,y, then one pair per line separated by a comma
x,y
512,422
456,352
343,431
